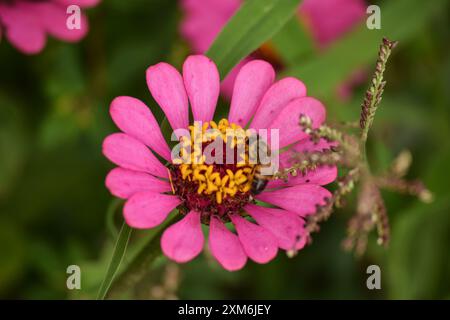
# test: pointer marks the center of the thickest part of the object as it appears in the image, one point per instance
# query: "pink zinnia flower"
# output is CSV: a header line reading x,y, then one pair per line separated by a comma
x,y
217,194
26,23
326,20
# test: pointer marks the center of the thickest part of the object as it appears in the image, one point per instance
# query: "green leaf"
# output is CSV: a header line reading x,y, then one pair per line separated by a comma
x,y
293,43
142,261
254,23
113,206
400,21
418,257
117,258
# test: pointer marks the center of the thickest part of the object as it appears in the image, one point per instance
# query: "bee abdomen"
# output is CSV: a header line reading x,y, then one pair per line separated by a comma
x,y
258,185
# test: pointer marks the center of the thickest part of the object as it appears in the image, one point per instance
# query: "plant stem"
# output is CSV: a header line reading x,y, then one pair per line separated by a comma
x,y
116,260
112,208
374,94
140,264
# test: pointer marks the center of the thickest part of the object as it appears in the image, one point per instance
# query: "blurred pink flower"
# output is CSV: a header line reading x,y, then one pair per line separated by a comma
x,y
326,20
329,20
26,23
345,90
153,190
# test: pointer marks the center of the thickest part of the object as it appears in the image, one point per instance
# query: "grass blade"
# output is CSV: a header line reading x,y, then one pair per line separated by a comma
x,y
293,43
117,258
255,23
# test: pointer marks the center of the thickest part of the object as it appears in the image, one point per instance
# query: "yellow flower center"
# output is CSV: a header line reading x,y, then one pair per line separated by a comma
x,y
218,173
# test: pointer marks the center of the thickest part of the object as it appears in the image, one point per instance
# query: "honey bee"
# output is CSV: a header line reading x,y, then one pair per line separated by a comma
x,y
260,181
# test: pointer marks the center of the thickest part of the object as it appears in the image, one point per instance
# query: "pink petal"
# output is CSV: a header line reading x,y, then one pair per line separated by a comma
x,y
203,20
287,122
320,176
183,241
221,7
124,183
307,145
129,153
167,88
148,209
301,199
258,243
331,19
134,118
287,227
54,19
81,3
251,84
345,89
275,99
22,28
226,87
200,31
225,246
202,82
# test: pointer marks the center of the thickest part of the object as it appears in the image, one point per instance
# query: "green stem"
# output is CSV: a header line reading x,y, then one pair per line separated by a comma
x,y
112,208
141,263
118,254
374,94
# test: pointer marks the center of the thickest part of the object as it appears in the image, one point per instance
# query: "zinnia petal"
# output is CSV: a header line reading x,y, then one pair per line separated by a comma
x,y
331,19
203,20
167,88
321,176
226,87
53,18
308,145
148,209
134,118
129,153
81,3
288,119
184,240
124,183
202,82
250,86
275,99
23,28
258,243
287,227
301,199
225,246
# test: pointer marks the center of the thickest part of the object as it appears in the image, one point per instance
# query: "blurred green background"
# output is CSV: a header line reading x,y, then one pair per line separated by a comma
x,y
54,116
